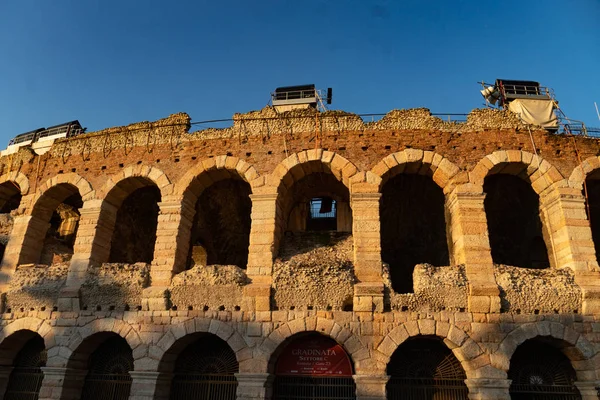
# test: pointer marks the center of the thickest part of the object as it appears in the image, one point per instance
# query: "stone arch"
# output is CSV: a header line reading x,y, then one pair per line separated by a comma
x,y
110,190
221,167
276,341
19,179
298,165
527,166
465,349
581,172
32,324
83,186
580,352
82,335
220,329
415,161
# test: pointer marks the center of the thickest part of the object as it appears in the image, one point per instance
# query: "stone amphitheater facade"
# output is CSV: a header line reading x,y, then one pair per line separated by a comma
x,y
148,291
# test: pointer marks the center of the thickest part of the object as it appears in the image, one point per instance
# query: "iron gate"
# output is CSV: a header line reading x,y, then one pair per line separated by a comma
x,y
314,388
204,387
106,387
427,389
24,384
544,392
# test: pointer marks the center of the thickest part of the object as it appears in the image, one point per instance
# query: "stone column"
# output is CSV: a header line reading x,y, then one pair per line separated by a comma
x,y
571,244
26,242
5,372
173,232
261,251
368,293
147,385
92,247
256,386
588,390
488,389
469,244
370,387
62,383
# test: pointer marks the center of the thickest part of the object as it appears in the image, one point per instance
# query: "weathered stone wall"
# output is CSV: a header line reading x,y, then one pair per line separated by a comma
x,y
35,287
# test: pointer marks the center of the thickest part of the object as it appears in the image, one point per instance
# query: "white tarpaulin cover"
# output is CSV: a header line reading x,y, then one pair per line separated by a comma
x,y
537,112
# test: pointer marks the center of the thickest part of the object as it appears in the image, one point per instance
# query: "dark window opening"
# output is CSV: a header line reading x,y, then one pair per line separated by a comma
x,y
413,227
60,236
134,234
26,378
538,370
424,368
10,199
514,224
593,208
221,229
322,215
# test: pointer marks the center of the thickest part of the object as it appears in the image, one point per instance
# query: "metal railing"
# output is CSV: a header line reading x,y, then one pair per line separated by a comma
x,y
106,387
70,130
315,388
24,384
544,392
294,95
203,387
525,90
426,389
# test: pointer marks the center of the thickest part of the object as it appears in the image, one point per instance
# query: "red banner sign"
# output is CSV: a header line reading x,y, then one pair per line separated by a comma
x,y
314,355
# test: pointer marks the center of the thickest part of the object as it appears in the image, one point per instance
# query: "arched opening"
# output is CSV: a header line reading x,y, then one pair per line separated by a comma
x,y
592,183
539,370
413,227
203,367
221,229
25,352
312,366
424,368
514,224
10,198
134,233
108,359
53,227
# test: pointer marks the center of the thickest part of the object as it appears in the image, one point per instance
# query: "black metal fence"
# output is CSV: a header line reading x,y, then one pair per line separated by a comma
x,y
24,384
544,392
204,387
313,388
426,389
106,387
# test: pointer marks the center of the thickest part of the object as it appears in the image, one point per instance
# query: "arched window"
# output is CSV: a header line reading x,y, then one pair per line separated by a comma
x,y
221,229
26,377
593,207
108,371
134,234
10,198
424,368
413,227
205,370
538,370
514,224
313,366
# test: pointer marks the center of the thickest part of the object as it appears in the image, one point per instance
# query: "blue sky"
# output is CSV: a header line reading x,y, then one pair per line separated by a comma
x,y
114,62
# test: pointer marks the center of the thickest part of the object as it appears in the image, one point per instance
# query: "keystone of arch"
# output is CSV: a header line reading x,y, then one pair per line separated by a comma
x,y
83,186
160,179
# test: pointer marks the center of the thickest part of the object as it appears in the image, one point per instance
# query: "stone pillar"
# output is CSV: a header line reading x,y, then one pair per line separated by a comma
x,y
147,385
62,383
488,389
261,251
26,242
92,247
368,293
588,390
256,386
571,244
5,372
469,244
370,387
